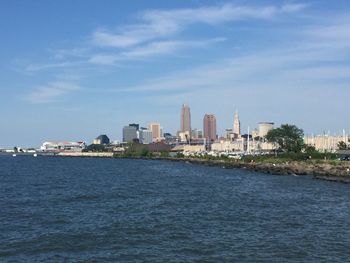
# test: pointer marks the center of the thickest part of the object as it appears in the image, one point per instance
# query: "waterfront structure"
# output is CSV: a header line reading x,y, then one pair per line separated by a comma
x,y
156,131
224,146
145,136
209,127
158,147
185,119
129,133
236,126
57,146
243,144
264,128
193,149
326,142
102,139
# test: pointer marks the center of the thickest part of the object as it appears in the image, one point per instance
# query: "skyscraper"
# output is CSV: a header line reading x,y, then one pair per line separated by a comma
x,y
185,118
236,126
156,131
136,125
209,127
129,133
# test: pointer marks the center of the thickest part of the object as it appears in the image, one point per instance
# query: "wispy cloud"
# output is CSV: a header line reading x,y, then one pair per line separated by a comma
x,y
161,23
43,66
155,33
335,34
310,66
152,49
51,92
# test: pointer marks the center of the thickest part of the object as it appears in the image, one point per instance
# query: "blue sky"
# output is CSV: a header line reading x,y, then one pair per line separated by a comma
x,y
71,70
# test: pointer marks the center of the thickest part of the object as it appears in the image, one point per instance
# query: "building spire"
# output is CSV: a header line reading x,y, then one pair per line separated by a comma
x,y
236,124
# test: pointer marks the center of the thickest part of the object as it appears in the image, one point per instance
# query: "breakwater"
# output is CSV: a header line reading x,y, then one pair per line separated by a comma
x,y
86,154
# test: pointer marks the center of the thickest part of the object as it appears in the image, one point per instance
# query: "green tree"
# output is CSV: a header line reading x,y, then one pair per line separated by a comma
x,y
342,146
309,149
288,137
95,148
144,152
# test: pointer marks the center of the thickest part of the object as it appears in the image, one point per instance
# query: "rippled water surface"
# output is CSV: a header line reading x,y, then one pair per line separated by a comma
x,y
119,210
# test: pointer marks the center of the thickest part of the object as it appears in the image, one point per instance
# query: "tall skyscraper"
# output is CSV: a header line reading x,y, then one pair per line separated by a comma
x,y
185,118
236,125
129,133
209,127
156,131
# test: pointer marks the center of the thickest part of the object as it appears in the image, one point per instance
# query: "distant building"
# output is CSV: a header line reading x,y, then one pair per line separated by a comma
x,y
136,125
229,135
185,118
102,139
156,131
170,139
255,133
159,147
225,146
184,137
236,126
209,127
196,134
63,146
193,149
129,134
326,142
145,136
264,128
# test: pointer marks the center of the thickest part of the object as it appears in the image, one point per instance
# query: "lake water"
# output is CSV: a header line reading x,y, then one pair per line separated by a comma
x,y
118,210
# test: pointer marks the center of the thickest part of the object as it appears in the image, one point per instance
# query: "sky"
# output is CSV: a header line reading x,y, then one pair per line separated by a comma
x,y
72,70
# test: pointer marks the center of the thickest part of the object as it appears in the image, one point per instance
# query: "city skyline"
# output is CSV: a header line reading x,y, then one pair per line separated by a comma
x,y
73,70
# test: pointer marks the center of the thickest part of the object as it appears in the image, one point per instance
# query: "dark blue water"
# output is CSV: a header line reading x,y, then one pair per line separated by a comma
x,y
118,210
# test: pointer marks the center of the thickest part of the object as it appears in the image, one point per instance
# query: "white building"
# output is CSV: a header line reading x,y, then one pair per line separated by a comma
x,y
224,146
145,136
193,149
326,142
264,128
236,125
63,146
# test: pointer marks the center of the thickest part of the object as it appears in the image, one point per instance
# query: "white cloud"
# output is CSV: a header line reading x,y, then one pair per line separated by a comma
x,y
162,23
151,49
150,37
51,92
336,34
281,69
38,67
